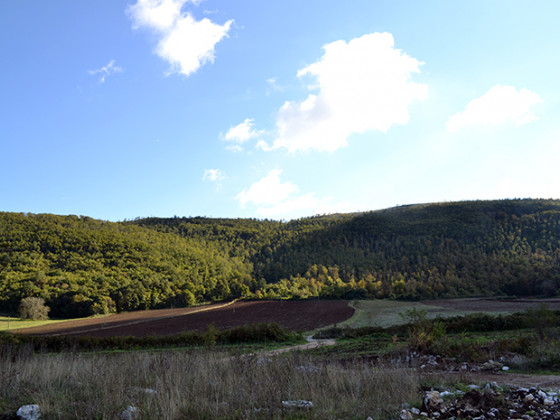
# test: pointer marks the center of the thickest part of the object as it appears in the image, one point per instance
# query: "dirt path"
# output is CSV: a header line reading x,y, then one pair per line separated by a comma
x,y
311,344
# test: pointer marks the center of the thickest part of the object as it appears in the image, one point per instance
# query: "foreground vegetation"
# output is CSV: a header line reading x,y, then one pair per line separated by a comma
x,y
199,385
82,266
370,372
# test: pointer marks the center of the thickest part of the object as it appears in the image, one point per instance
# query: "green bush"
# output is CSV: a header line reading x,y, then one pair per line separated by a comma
x,y
33,308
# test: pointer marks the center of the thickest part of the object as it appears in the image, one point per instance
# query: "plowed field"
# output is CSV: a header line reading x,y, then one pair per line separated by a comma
x,y
291,315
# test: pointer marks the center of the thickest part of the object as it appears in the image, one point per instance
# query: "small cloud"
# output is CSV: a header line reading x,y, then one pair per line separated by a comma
x,y
214,175
242,133
184,42
278,199
273,85
499,105
363,85
106,71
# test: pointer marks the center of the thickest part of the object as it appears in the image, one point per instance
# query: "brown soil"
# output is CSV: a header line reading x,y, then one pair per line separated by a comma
x,y
291,315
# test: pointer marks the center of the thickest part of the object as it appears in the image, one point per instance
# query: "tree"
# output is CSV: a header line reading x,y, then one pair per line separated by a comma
x,y
33,308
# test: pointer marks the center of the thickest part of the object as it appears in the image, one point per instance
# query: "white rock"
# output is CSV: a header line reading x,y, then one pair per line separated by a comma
x,y
528,398
29,412
406,415
415,411
308,369
505,368
130,413
298,404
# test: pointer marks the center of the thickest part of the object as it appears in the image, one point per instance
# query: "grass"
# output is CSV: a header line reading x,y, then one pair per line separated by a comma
x,y
387,313
11,323
200,385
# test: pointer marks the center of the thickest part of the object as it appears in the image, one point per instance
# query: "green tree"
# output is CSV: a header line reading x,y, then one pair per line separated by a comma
x,y
33,308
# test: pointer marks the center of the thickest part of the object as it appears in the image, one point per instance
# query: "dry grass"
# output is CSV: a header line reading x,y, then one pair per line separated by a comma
x,y
200,385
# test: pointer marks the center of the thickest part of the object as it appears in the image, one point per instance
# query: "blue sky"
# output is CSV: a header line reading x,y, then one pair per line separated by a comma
x,y
117,109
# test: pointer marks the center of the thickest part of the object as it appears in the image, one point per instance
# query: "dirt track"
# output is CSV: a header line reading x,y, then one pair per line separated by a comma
x,y
291,315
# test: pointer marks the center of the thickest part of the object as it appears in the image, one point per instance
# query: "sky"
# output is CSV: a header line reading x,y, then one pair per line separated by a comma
x,y
118,109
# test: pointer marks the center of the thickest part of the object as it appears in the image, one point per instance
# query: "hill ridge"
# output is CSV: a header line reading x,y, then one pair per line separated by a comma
x,y
83,266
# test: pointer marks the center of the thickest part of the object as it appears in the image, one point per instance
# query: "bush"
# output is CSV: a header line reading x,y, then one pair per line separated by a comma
x,y
33,308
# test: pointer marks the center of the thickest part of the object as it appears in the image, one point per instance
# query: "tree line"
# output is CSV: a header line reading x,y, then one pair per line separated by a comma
x,y
81,266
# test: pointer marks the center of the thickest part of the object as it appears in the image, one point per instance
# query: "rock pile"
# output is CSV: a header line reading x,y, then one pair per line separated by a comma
x,y
490,402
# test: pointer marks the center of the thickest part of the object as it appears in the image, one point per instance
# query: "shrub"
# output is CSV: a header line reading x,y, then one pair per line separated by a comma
x,y
33,308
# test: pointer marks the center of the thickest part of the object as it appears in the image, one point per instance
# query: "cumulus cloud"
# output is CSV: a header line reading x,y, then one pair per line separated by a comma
x,y
242,133
362,85
185,43
106,71
276,199
499,105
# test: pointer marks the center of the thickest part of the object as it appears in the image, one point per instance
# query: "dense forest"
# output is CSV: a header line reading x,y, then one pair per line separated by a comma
x,y
82,266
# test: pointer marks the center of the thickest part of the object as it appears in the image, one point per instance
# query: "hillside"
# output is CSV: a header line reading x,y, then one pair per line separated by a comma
x,y
83,266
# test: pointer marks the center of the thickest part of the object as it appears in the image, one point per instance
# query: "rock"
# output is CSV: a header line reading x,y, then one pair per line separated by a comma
x,y
308,405
415,411
130,413
492,385
432,400
147,391
308,369
505,368
406,415
542,395
263,361
528,398
29,412
548,401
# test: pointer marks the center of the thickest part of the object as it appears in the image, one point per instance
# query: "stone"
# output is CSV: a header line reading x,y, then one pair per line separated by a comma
x,y
131,413
29,412
308,369
432,400
406,415
528,398
505,368
308,405
415,411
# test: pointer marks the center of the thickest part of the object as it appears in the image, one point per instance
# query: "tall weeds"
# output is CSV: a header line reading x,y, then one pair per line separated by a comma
x,y
200,385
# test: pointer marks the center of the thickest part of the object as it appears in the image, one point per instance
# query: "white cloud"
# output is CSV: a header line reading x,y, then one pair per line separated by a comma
x,y
242,132
214,175
267,191
363,85
186,43
277,199
106,71
499,105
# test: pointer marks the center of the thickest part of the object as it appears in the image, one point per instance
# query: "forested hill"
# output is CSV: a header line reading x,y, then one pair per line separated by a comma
x,y
83,266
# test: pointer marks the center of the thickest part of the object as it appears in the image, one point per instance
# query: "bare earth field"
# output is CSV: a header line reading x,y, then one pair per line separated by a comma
x,y
291,315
